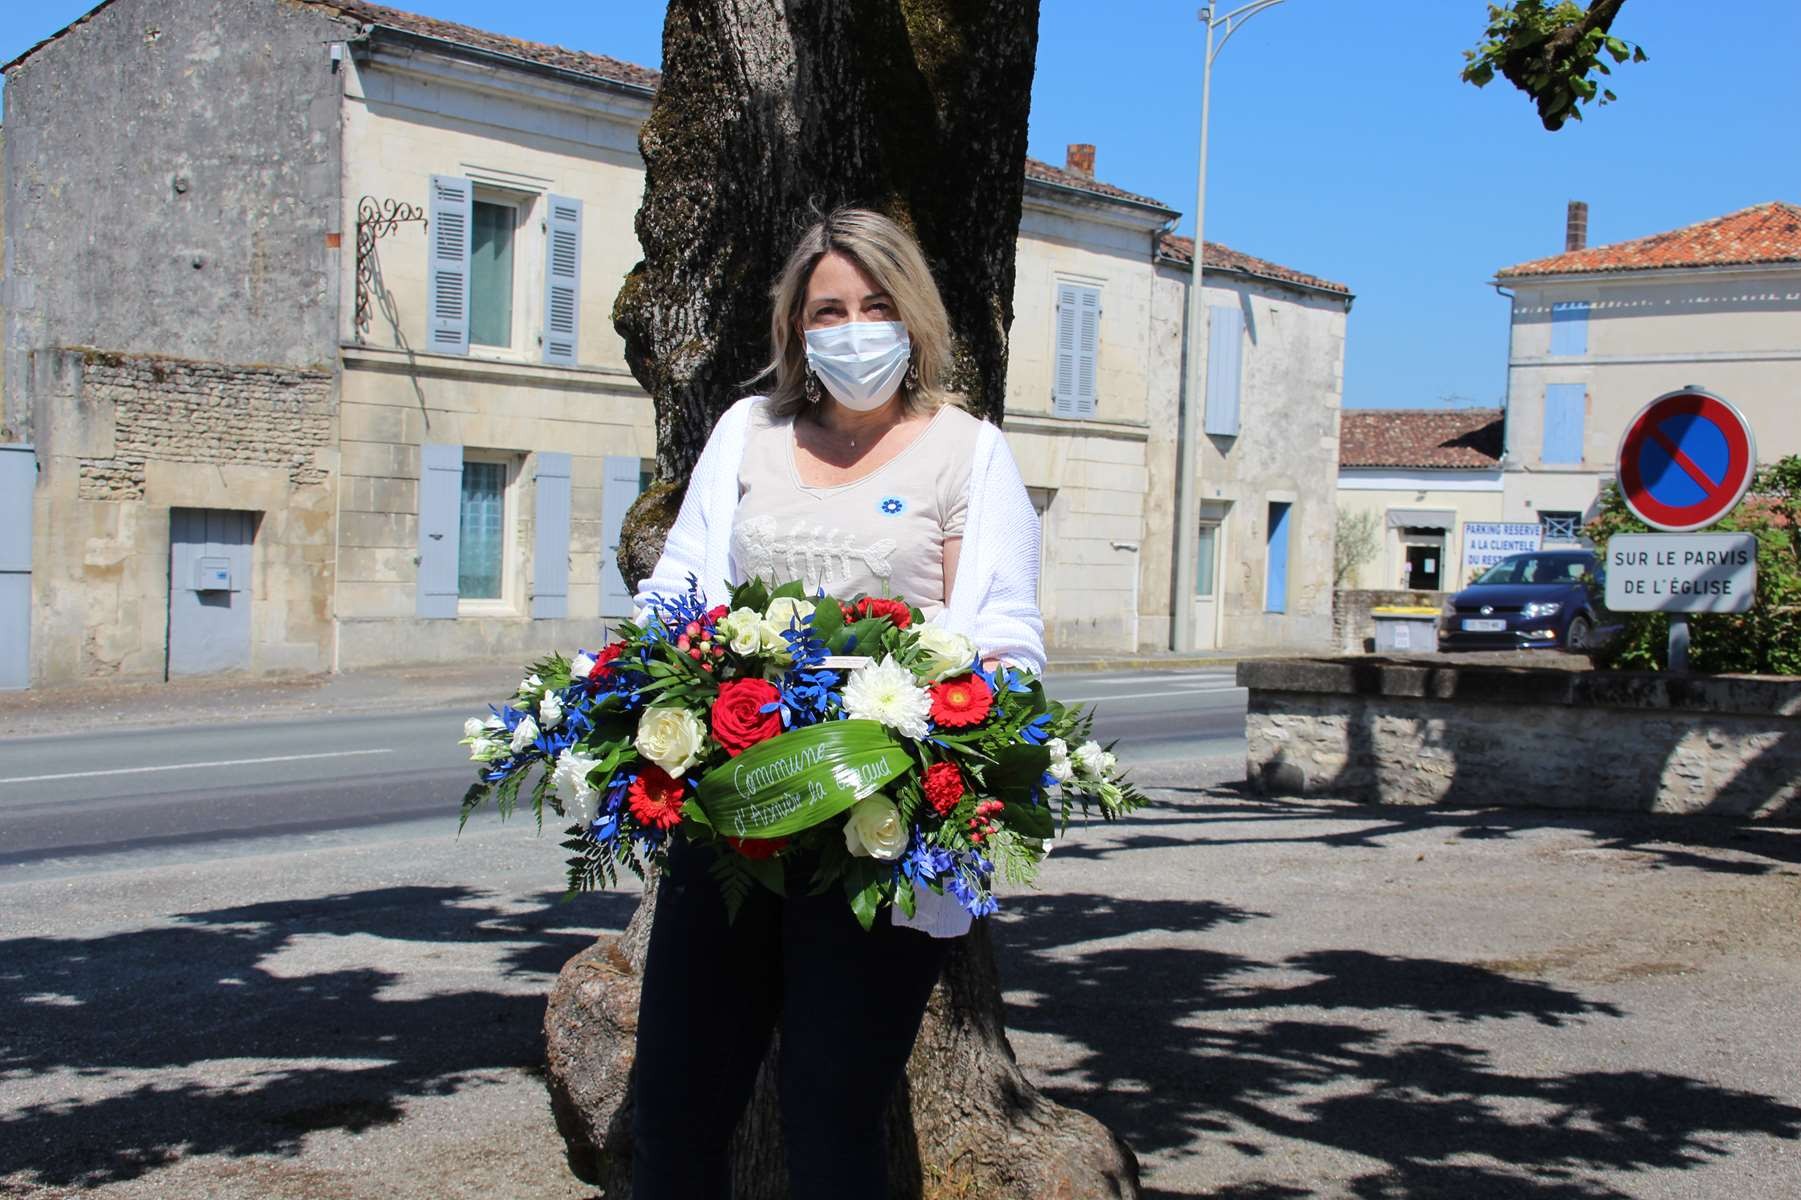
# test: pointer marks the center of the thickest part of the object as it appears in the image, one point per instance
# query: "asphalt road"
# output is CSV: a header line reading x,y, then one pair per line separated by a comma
x,y
177,791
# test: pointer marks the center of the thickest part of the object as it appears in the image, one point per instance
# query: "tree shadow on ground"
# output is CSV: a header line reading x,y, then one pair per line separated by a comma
x,y
1722,845
254,1039
1177,1039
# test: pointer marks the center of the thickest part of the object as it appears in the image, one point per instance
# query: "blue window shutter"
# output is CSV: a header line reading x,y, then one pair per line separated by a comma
x,y
447,265
618,489
1088,348
550,537
562,280
1225,350
18,487
440,513
1569,328
1276,591
1063,378
1564,419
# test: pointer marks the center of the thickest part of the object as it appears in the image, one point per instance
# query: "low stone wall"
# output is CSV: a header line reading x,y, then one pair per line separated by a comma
x,y
1354,630
1397,732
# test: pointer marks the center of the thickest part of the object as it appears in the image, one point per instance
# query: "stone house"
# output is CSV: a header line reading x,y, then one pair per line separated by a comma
x,y
1598,332
363,402
1423,475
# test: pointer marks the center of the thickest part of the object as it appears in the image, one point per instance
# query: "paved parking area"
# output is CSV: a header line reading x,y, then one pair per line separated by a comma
x,y
1271,1002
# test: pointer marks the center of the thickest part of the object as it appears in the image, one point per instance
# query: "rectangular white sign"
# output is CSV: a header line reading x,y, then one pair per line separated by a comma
x,y
1681,572
1486,543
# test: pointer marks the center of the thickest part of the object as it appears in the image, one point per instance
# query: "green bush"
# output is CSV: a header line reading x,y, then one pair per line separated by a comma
x,y
1764,641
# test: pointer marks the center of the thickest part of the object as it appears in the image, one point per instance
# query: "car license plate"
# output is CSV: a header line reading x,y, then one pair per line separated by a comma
x,y
1480,625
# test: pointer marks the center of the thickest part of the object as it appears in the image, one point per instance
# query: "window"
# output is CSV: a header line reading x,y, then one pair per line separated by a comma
x,y
492,281
1560,526
1566,410
481,531
1204,557
491,273
1569,328
1423,555
1225,351
1275,592
1078,328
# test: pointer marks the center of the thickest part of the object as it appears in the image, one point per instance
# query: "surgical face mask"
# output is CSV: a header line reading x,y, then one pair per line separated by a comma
x,y
860,362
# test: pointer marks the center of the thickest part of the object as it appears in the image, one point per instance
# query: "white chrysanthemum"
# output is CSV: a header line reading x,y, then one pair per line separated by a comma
x,y
886,692
571,779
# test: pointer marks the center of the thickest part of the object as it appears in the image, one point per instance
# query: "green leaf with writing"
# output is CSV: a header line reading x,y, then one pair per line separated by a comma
x,y
801,779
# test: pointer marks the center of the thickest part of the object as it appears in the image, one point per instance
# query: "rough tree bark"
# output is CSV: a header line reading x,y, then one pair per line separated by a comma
x,y
770,112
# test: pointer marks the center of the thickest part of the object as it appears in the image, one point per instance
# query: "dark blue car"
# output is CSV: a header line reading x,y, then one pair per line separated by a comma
x,y
1548,598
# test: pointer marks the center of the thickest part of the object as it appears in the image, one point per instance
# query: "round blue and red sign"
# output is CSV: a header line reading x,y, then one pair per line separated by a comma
x,y
1686,460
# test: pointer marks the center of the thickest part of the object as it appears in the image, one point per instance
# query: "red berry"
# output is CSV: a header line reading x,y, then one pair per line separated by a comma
x,y
681,643
693,629
707,667
719,652
695,654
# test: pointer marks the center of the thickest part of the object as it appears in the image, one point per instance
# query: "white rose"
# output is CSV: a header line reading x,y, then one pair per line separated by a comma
x,y
771,636
1108,762
494,722
874,830
488,749
473,727
550,711
584,663
1061,770
947,652
786,612
1088,758
670,737
524,734
737,620
530,683
571,777
746,640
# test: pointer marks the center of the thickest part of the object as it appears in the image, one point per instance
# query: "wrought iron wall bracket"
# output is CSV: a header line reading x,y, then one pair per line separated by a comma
x,y
376,219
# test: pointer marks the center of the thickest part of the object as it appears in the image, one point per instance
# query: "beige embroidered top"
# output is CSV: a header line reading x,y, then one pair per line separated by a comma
x,y
883,534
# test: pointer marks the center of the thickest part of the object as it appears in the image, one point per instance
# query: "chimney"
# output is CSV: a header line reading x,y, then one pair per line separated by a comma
x,y
1575,227
1080,160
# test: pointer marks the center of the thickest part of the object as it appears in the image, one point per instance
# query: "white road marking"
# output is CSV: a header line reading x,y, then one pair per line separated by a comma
x,y
227,762
1158,695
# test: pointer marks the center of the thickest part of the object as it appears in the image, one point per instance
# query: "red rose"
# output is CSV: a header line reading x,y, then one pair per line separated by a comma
x,y
943,786
600,670
757,848
962,701
875,606
714,613
656,797
739,721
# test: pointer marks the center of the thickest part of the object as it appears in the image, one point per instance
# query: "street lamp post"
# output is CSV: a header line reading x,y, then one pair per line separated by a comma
x,y
1188,508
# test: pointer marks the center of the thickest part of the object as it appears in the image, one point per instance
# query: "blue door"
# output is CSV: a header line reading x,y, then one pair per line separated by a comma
x,y
209,590
1275,591
18,483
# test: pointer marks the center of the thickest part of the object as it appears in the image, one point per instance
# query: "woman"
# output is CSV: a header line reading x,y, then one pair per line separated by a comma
x,y
854,474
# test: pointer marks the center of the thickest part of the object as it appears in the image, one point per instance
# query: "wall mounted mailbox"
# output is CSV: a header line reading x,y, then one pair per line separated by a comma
x,y
212,575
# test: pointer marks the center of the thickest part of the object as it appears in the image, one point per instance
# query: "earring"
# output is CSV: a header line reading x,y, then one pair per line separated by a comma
x,y
811,387
911,379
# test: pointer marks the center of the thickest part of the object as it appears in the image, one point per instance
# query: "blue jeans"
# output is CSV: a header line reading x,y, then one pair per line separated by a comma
x,y
848,1004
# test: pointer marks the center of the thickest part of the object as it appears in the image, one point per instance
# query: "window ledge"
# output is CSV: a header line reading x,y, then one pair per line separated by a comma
x,y
483,368
1029,422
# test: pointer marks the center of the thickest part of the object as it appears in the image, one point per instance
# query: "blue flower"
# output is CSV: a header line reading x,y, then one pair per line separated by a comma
x,y
925,862
893,506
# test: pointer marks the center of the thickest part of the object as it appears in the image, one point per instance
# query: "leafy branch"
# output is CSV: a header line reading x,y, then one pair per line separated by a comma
x,y
1552,52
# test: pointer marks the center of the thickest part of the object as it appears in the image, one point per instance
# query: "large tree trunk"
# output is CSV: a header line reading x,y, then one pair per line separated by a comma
x,y
768,114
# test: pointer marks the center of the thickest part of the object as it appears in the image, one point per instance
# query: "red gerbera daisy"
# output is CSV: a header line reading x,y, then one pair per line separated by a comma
x,y
962,701
656,797
943,786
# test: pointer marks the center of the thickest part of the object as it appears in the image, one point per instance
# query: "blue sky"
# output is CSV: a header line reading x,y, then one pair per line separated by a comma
x,y
1343,143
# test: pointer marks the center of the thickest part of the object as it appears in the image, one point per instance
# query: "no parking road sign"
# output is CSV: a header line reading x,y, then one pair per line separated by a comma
x,y
1686,460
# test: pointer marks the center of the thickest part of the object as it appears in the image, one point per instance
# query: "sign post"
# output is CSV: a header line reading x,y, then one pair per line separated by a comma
x,y
1685,461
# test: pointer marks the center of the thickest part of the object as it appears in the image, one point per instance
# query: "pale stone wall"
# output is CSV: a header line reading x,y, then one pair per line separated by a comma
x,y
1095,470
1733,331
127,438
1286,451
1375,731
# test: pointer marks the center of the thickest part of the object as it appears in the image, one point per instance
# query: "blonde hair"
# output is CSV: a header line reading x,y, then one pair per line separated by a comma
x,y
889,255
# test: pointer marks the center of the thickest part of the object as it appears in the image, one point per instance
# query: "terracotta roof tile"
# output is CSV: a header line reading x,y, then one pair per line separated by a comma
x,y
1180,251
1431,438
1764,233
1043,172
579,62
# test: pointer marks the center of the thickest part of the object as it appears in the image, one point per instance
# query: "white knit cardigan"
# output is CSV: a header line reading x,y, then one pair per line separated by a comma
x,y
994,600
